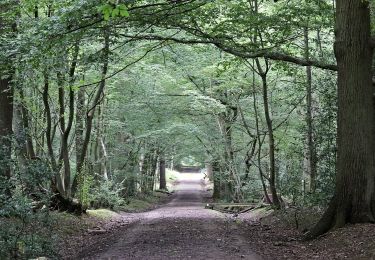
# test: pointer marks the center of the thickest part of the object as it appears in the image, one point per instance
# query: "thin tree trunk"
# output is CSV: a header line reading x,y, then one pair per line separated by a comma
x,y
104,159
310,164
91,112
261,175
271,139
250,152
163,181
64,153
65,127
20,137
47,111
152,171
80,113
26,126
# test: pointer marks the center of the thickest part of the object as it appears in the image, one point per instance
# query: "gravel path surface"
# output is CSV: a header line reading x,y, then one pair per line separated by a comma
x,y
182,229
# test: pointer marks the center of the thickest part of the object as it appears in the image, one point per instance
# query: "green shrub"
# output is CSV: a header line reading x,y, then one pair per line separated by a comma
x,y
107,195
25,224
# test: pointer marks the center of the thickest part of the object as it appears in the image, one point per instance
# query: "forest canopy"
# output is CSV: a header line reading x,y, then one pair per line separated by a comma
x,y
98,98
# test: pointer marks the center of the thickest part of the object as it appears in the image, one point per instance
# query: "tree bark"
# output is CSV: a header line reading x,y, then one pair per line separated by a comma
x,y
163,181
104,158
7,29
91,112
216,179
20,137
65,127
261,174
310,163
271,138
353,201
79,129
152,171
26,126
47,111
6,117
209,170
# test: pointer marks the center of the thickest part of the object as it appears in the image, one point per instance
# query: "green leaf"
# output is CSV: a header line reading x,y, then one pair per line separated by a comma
x,y
106,14
115,12
106,11
123,10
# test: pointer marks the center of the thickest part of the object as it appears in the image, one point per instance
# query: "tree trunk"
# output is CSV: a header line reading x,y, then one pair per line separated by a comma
x,y
104,158
80,114
310,160
152,172
6,117
47,111
353,201
163,181
20,137
66,126
271,138
209,170
26,126
91,112
217,180
64,153
261,175
7,29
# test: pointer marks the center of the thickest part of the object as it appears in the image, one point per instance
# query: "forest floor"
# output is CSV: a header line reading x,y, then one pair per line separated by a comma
x,y
183,229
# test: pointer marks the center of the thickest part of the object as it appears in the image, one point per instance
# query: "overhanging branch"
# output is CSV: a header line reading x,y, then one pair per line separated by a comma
x,y
277,56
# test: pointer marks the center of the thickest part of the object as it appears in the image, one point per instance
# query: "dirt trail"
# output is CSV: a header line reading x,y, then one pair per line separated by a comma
x,y
182,229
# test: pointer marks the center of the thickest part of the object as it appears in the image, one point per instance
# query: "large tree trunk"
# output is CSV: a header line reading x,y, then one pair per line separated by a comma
x,y
353,201
7,28
6,116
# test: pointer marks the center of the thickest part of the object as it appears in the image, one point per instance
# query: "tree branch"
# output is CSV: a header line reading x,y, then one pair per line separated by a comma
x,y
242,54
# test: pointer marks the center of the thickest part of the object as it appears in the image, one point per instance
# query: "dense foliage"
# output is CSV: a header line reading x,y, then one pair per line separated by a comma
x,y
107,93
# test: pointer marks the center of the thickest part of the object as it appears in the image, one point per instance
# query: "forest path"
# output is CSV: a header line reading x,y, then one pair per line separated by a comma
x,y
182,229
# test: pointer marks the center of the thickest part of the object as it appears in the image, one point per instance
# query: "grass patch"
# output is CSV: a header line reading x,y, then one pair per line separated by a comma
x,y
101,213
136,205
143,203
69,224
